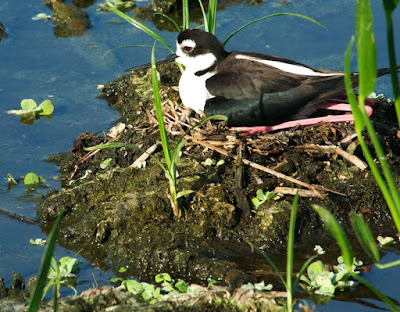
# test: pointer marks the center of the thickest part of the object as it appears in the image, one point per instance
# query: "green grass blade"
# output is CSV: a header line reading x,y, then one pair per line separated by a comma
x,y
212,16
204,16
365,237
268,16
360,120
36,298
390,6
366,51
338,233
185,15
138,25
159,113
170,19
290,244
302,270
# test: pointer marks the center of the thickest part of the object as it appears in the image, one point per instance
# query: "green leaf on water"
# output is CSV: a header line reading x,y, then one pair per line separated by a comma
x,y
28,105
46,107
31,180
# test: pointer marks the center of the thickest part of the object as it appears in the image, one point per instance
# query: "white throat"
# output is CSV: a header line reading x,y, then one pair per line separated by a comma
x,y
194,63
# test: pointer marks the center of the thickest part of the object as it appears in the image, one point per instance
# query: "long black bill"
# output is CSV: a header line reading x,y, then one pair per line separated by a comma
x,y
164,60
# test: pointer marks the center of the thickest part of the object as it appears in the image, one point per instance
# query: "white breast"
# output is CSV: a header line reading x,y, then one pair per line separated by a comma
x,y
192,90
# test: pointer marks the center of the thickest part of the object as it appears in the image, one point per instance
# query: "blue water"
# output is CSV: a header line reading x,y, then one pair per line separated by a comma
x,y
35,64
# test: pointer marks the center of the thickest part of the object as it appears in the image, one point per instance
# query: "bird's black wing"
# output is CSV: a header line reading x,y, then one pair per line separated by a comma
x,y
251,93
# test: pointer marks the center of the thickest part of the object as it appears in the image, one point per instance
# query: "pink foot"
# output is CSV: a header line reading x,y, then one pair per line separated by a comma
x,y
329,105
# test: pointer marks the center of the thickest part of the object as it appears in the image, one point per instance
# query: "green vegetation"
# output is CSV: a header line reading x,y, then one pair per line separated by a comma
x,y
288,283
171,157
61,274
262,198
257,286
167,287
37,294
32,181
30,110
38,241
324,283
210,20
366,55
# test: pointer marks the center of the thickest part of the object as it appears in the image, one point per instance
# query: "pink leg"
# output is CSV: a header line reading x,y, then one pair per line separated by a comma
x,y
330,105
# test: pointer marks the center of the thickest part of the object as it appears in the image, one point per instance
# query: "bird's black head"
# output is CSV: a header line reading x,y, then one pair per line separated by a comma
x,y
199,50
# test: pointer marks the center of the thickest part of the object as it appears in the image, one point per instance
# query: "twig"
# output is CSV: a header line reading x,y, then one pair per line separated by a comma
x,y
145,155
319,193
314,148
292,191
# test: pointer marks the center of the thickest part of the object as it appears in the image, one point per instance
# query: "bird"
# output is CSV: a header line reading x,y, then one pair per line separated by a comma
x,y
257,92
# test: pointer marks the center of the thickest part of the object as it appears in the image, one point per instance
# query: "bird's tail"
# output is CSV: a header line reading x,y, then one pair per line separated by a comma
x,y
385,71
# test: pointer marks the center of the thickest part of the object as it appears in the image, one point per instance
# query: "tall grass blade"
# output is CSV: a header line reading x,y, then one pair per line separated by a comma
x,y
204,16
390,6
36,297
170,19
212,16
366,51
364,30
185,15
338,233
268,16
365,237
290,256
138,25
159,113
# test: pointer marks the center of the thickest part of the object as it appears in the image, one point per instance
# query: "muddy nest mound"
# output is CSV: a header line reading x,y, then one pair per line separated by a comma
x,y
121,215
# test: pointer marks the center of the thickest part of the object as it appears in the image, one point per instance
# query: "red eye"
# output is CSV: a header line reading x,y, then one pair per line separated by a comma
x,y
188,49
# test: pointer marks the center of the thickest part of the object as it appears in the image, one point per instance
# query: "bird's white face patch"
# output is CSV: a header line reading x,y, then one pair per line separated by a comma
x,y
193,63
290,68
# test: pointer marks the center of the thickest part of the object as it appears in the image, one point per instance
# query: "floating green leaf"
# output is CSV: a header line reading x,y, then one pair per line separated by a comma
x,y
46,107
31,180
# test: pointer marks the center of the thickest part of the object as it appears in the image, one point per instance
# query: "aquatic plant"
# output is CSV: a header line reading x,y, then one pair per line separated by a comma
x,y
37,294
210,20
324,283
59,274
165,287
30,107
289,284
32,181
366,55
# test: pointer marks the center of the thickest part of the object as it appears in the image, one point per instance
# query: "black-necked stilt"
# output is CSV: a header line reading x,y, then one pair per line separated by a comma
x,y
253,89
